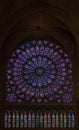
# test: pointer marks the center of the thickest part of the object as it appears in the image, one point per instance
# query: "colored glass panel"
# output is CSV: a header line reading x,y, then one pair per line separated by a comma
x,y
45,120
37,120
21,119
53,120
5,120
9,120
57,120
40,72
41,119
14,119
25,119
17,120
61,119
65,119
29,120
49,120
33,120
69,120
73,119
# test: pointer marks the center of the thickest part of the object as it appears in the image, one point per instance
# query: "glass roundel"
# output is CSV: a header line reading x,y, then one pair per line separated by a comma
x,y
39,71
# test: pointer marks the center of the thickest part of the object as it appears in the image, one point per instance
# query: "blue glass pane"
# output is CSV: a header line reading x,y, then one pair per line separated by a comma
x,y
39,65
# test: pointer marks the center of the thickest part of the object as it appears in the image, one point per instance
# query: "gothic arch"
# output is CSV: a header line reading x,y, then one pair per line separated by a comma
x,y
39,21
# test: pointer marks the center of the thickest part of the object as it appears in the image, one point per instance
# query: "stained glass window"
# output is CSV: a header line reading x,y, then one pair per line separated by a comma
x,y
7,119
45,119
25,119
49,120
53,119
21,119
29,119
71,119
39,71
41,119
65,119
35,119
14,119
17,119
61,119
57,119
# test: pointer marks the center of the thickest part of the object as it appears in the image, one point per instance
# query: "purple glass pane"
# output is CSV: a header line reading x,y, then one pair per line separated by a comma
x,y
39,71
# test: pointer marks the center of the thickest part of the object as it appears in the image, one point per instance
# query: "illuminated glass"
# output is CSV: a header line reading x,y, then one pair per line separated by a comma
x,y
49,120
25,119
17,120
57,119
14,119
73,119
65,119
61,119
39,119
39,71
69,120
45,119
21,119
53,119
33,119
29,120
5,120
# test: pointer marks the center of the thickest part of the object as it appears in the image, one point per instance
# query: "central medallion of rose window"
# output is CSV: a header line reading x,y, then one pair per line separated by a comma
x,y
39,71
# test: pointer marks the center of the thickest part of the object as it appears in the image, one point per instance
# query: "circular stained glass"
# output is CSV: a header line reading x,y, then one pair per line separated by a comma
x,y
39,71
